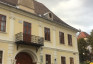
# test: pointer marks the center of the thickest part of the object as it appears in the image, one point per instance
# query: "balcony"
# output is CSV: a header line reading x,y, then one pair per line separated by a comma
x,y
26,39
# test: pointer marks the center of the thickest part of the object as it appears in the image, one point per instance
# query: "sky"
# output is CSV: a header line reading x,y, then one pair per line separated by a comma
x,y
77,13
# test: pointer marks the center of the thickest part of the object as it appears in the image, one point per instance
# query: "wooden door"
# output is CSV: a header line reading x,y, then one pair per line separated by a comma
x,y
23,58
27,32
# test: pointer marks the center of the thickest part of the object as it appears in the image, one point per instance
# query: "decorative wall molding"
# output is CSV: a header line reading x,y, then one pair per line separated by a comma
x,y
29,51
10,53
6,41
11,32
61,50
54,38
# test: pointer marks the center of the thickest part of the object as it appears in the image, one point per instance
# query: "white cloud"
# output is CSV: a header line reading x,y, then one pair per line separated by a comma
x,y
77,13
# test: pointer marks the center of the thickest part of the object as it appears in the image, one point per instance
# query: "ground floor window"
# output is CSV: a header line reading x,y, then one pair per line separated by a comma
x,y
48,59
71,60
1,53
63,60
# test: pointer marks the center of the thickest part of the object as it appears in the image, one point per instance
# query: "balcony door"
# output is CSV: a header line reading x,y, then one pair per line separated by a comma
x,y
27,32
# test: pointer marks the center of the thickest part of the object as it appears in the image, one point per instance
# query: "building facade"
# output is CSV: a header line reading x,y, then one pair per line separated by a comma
x,y
31,34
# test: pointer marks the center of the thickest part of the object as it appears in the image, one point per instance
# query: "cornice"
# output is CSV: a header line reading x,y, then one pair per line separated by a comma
x,y
61,50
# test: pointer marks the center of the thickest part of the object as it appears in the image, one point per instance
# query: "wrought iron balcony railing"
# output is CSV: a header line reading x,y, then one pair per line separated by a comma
x,y
22,38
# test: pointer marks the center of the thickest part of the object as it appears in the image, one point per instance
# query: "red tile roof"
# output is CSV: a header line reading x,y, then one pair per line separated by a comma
x,y
83,35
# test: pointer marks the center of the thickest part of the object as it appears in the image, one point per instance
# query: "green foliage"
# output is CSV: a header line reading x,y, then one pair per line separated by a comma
x,y
90,40
83,51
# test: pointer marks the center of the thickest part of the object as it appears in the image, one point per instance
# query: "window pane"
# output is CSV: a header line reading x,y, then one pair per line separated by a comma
x,y
61,37
48,59
63,60
0,57
29,25
29,31
2,23
69,39
2,26
25,24
3,18
25,30
47,34
71,60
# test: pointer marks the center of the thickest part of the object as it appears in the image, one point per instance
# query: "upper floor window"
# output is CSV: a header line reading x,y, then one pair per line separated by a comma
x,y
27,32
1,57
71,60
48,59
61,37
63,60
2,23
69,39
50,15
47,34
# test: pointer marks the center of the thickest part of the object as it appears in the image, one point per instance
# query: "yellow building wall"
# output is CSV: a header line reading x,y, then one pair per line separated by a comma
x,y
4,48
38,30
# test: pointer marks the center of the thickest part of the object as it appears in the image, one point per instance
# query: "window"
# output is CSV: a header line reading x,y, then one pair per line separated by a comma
x,y
69,39
47,34
2,23
1,57
71,60
50,15
27,32
61,37
27,28
48,59
63,60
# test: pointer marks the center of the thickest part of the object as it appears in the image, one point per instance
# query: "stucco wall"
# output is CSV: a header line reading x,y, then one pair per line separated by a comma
x,y
14,25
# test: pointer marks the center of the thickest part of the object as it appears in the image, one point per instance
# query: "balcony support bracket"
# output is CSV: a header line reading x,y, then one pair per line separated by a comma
x,y
17,46
37,48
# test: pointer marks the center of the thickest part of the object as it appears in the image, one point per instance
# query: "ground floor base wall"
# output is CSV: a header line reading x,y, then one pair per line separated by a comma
x,y
38,55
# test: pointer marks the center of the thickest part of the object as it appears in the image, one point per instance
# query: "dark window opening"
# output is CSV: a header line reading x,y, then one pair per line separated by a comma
x,y
47,34
63,60
71,60
27,32
50,15
2,23
1,53
69,39
61,37
48,59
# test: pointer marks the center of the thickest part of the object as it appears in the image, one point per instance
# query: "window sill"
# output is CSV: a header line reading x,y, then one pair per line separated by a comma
x,y
62,44
47,41
3,32
70,45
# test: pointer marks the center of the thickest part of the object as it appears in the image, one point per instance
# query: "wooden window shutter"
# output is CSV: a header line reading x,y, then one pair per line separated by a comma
x,y
61,37
48,59
63,60
27,32
69,39
2,23
1,57
47,33
71,60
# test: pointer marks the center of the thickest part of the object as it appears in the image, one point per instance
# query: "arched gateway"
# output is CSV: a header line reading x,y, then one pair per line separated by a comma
x,y
24,58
